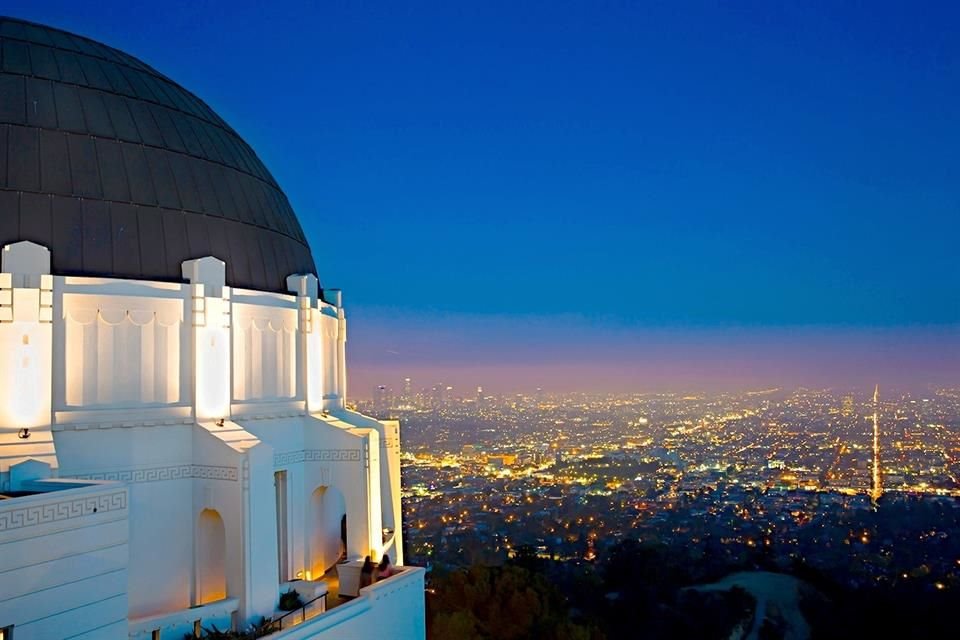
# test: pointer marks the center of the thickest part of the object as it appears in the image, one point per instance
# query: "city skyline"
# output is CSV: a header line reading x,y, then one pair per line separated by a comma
x,y
616,360
576,198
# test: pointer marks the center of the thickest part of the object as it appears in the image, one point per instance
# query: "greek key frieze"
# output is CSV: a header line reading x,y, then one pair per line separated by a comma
x,y
211,472
332,455
158,474
37,514
317,455
287,458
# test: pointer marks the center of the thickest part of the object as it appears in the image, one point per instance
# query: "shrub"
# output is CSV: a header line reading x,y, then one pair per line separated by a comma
x,y
290,600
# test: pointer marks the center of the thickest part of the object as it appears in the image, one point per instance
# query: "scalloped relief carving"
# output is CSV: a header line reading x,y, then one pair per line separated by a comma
x,y
264,354
287,322
164,317
122,357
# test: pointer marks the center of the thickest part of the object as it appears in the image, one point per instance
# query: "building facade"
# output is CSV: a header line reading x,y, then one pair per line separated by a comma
x,y
175,447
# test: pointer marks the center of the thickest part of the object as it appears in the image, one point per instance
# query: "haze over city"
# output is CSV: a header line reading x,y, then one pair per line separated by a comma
x,y
614,197
606,357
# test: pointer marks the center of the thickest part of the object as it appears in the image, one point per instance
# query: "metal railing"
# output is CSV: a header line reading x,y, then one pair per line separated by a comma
x,y
277,623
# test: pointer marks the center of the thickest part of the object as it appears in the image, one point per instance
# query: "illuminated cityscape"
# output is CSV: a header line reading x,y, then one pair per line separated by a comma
x,y
775,478
805,439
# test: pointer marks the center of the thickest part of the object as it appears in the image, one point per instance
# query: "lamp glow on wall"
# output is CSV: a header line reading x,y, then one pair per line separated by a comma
x,y
25,400
212,368
27,376
314,357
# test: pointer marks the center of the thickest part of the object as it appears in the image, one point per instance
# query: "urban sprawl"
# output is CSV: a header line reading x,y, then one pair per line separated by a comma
x,y
859,484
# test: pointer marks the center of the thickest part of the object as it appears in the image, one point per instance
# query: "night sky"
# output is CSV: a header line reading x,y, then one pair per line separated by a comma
x,y
599,195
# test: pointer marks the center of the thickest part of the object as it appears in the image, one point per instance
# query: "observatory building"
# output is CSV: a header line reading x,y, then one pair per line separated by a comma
x,y
176,452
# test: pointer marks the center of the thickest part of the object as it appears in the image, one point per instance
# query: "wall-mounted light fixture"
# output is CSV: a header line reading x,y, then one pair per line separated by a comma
x,y
24,433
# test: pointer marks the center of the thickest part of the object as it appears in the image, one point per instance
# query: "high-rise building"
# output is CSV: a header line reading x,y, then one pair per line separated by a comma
x,y
382,401
175,444
846,405
441,395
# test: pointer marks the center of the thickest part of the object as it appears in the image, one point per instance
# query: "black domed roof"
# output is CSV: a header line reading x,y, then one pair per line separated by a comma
x,y
121,172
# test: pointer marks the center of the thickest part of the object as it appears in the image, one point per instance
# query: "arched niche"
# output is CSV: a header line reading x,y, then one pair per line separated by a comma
x,y
211,557
328,509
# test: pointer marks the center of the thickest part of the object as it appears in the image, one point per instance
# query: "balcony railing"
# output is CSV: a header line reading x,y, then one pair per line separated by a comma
x,y
291,618
311,620
404,590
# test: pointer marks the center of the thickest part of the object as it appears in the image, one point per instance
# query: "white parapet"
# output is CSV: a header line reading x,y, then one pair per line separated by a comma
x,y
391,608
64,560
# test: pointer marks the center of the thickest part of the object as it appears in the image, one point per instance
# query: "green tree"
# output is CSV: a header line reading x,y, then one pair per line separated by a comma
x,y
502,603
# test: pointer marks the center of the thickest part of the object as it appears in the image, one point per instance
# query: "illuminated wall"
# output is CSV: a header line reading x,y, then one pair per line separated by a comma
x,y
193,394
264,352
26,368
121,351
211,353
26,342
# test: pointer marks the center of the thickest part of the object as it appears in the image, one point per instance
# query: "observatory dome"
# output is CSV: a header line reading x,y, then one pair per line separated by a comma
x,y
123,173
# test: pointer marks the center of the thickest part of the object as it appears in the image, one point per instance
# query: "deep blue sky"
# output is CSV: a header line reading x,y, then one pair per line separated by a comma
x,y
528,180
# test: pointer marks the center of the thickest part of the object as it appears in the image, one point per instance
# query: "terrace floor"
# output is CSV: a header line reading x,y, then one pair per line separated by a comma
x,y
333,589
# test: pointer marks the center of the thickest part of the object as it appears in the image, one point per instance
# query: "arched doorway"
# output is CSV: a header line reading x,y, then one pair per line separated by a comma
x,y
211,557
328,511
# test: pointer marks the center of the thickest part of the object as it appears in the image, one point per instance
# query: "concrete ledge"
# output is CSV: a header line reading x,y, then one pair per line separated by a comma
x,y
179,623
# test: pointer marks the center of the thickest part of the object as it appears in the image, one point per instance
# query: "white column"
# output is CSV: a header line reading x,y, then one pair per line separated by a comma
x,y
26,345
364,517
335,297
310,340
210,305
261,574
342,357
390,485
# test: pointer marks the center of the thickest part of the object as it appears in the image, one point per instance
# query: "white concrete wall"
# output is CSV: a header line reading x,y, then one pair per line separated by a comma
x,y
322,540
392,514
63,563
261,575
393,608
156,462
264,347
330,327
120,345
348,459
223,493
326,452
129,380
